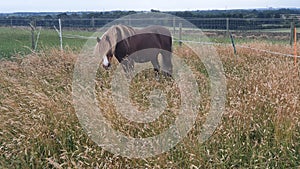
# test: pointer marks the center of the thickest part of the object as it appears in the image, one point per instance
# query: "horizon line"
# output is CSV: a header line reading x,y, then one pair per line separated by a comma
x,y
125,10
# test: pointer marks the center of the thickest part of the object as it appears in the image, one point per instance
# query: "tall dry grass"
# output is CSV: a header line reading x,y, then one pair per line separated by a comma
x,y
259,129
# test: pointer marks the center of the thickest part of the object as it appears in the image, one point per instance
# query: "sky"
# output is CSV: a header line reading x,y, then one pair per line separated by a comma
x,y
7,6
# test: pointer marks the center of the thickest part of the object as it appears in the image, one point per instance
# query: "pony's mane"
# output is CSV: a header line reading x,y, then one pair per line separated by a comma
x,y
115,34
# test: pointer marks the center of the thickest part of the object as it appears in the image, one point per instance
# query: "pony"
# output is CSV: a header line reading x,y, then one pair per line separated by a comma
x,y
124,43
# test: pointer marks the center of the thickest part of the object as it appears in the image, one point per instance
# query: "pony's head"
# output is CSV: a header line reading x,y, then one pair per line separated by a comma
x,y
106,46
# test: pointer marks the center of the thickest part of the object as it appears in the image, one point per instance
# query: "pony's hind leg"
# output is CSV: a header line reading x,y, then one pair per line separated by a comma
x,y
167,66
156,66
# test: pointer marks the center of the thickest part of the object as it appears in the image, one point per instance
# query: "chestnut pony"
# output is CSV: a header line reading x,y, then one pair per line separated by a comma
x,y
124,43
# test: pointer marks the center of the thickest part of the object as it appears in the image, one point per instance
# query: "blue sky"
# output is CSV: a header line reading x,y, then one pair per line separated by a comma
x,y
146,5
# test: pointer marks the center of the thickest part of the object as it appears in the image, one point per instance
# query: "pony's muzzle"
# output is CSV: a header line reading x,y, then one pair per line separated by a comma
x,y
105,62
106,66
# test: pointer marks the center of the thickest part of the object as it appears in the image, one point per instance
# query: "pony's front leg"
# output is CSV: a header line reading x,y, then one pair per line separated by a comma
x,y
128,67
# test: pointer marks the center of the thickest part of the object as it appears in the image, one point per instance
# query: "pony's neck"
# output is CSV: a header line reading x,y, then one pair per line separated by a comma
x,y
120,59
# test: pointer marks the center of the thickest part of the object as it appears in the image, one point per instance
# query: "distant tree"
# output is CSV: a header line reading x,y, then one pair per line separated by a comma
x,y
268,15
75,15
48,17
131,12
261,15
63,16
154,10
277,15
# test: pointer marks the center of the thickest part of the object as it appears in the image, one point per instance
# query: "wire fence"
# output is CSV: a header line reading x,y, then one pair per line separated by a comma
x,y
249,28
239,28
235,24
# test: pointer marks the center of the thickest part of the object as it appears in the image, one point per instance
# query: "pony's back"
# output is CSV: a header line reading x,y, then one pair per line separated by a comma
x,y
116,34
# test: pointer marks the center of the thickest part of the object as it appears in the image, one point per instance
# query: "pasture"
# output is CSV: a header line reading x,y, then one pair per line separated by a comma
x,y
260,127
17,41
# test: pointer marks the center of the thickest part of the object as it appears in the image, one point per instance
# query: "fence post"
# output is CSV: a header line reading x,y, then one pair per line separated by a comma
x,y
32,26
60,34
227,27
93,22
233,44
292,33
180,34
295,45
174,25
37,39
129,20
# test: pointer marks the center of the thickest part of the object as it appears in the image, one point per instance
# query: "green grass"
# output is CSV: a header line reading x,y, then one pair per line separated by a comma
x,y
17,41
14,41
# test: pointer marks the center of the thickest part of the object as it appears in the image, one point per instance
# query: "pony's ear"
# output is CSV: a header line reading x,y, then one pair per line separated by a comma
x,y
98,39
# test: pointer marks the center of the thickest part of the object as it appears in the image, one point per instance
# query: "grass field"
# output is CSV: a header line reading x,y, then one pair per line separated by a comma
x,y
17,41
260,127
